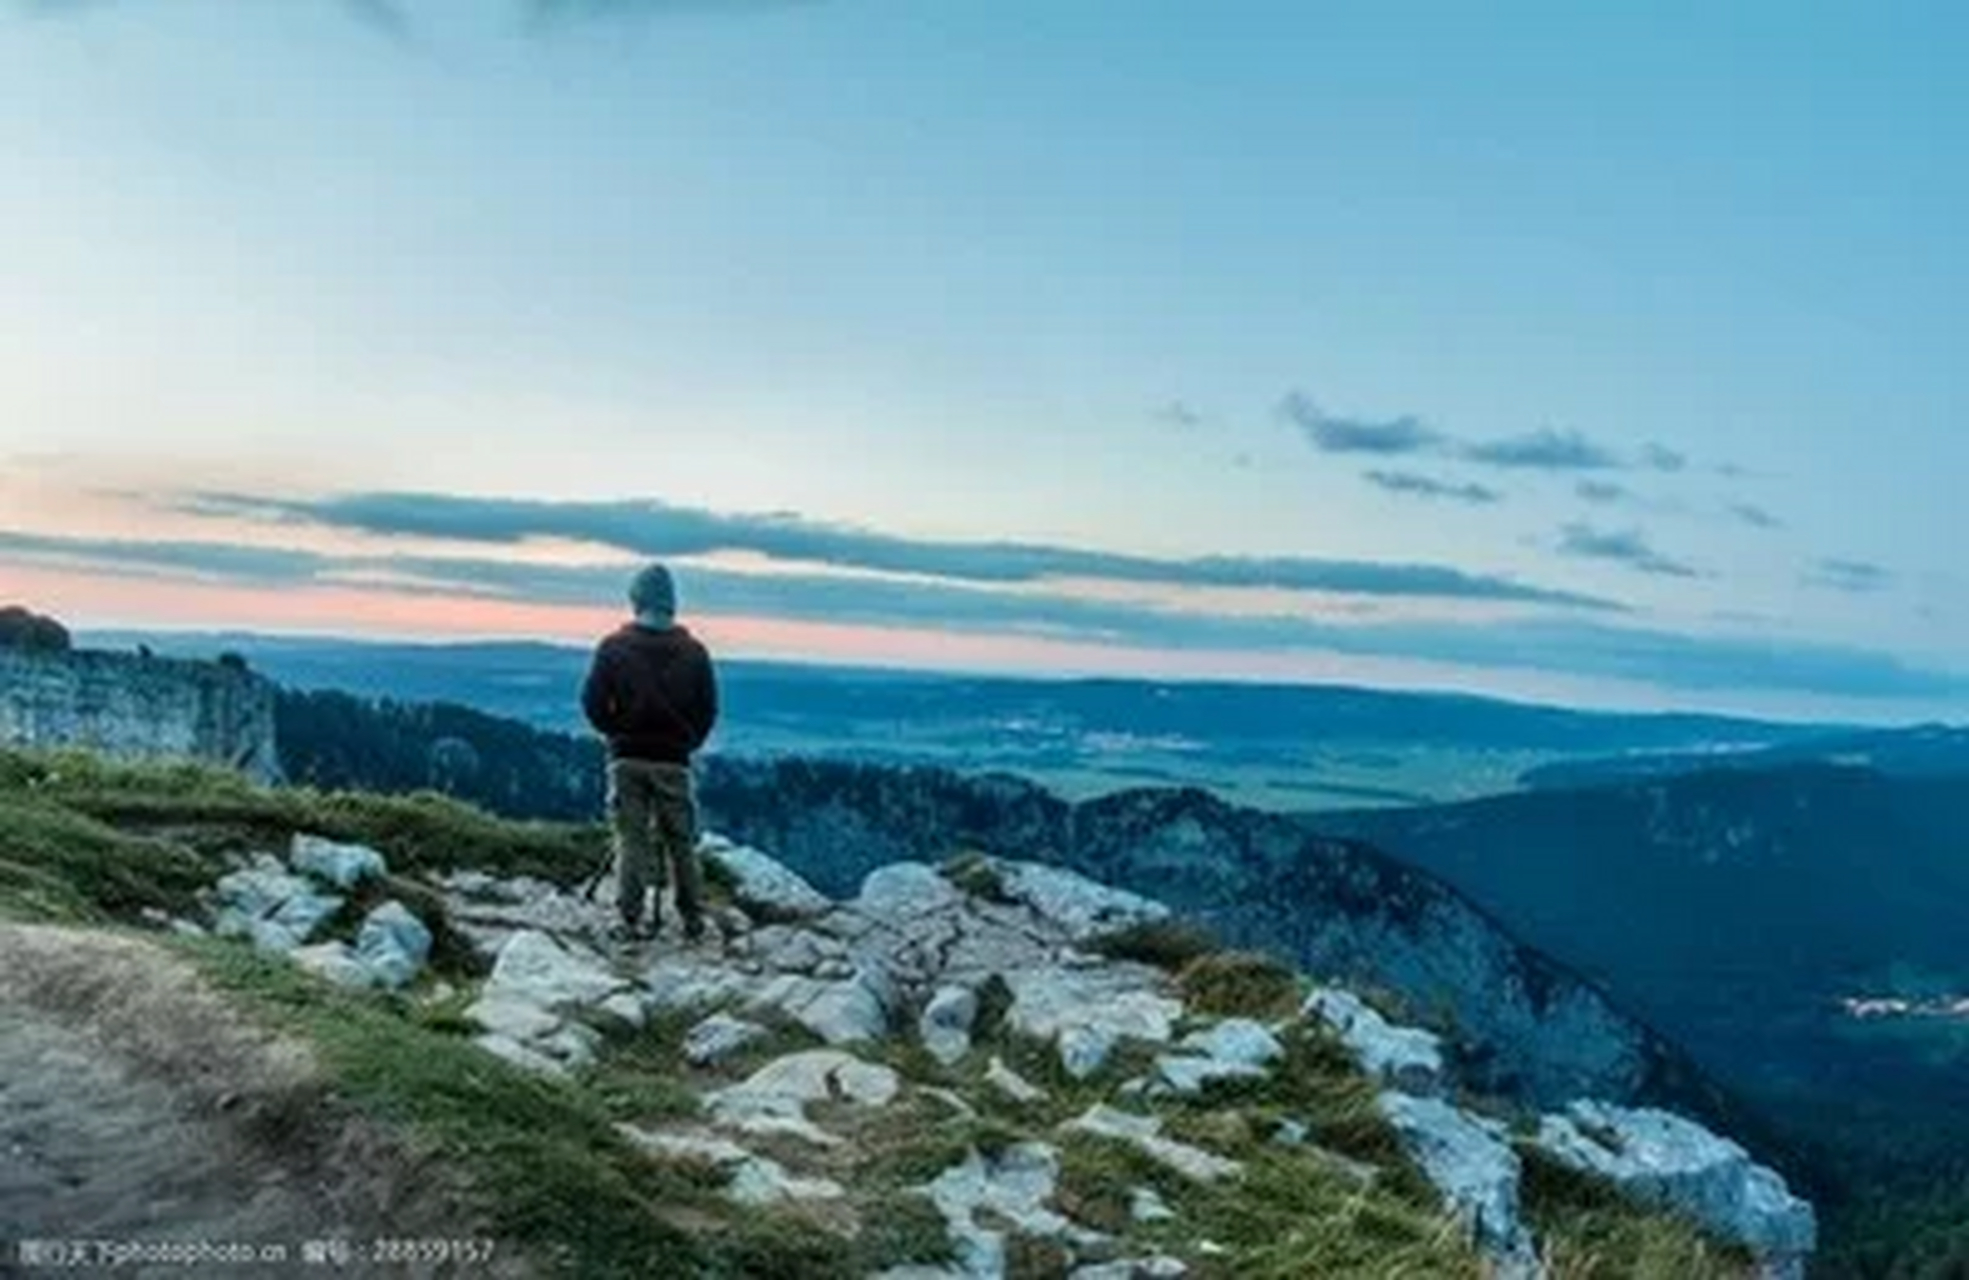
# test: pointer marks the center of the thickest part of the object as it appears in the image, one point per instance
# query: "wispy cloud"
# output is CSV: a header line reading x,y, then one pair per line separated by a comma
x,y
1417,485
1856,577
1331,434
1545,450
1695,663
1659,457
659,529
1755,516
1179,414
1624,546
1603,492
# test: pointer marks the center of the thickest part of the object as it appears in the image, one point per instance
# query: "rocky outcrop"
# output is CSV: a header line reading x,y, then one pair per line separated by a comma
x,y
1526,1027
133,706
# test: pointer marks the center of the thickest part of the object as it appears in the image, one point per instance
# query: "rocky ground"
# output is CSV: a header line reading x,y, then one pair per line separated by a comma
x,y
1001,1068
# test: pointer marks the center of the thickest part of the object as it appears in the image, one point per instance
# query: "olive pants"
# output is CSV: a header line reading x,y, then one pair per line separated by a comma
x,y
654,814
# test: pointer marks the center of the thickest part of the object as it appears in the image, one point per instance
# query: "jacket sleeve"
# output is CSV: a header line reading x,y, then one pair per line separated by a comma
x,y
598,695
707,699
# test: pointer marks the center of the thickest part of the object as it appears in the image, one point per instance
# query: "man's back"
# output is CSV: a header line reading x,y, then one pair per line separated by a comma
x,y
652,692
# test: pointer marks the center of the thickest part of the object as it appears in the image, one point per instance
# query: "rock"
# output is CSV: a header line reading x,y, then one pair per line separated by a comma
x,y
1145,1204
1669,1162
515,1019
846,1012
774,1099
519,1055
1159,1267
1407,1058
718,1037
1238,1040
1292,1133
946,1023
765,887
534,968
1087,1011
1011,1083
278,910
677,985
393,945
793,950
342,865
1471,1163
1082,909
755,1181
627,1007
1011,1191
335,962
903,891
1145,1133
1189,1076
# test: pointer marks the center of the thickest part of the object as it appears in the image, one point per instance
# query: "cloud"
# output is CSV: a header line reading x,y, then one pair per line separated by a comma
x,y
1604,492
1668,660
1755,516
658,529
1855,577
1659,457
1628,546
1545,450
1421,486
1179,414
1328,434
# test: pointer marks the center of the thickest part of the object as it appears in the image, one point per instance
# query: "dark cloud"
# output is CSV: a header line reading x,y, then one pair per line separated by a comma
x,y
1659,457
1755,516
1328,434
658,529
1626,546
1421,486
1179,414
1856,577
1591,650
1604,492
1545,450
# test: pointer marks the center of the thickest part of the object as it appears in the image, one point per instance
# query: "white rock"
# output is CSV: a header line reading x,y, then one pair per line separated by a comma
x,y
904,890
535,968
774,1099
1081,908
1145,1133
846,1012
1011,1083
1239,1040
1014,1190
515,1019
765,886
1087,1011
718,1037
335,962
626,1006
1407,1058
673,985
1674,1163
342,865
946,1023
1190,1076
1145,1204
1470,1161
755,1181
393,945
794,950
279,911
1159,1267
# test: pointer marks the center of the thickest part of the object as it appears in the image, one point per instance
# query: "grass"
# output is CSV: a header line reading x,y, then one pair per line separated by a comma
x,y
542,1157
974,874
1239,984
1166,944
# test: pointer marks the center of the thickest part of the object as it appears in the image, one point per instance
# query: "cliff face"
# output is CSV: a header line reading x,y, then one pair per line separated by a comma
x,y
132,706
1337,908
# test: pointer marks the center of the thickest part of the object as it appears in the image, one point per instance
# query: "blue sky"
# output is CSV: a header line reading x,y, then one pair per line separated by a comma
x,y
1589,351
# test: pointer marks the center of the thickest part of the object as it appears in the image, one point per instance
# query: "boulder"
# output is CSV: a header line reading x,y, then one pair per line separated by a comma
x,y
1080,908
983,1197
342,865
718,1037
1406,1058
902,891
533,968
1472,1165
393,945
1087,1011
945,1026
765,887
277,910
1667,1161
773,1100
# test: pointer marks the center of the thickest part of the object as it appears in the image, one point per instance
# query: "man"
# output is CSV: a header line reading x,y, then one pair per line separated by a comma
x,y
652,693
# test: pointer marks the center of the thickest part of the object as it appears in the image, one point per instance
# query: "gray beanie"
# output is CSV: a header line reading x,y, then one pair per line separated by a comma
x,y
654,595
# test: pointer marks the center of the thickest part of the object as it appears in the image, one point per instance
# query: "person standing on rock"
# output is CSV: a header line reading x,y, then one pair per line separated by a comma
x,y
653,693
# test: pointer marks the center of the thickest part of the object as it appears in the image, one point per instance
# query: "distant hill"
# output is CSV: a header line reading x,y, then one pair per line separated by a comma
x,y
1929,750
1278,747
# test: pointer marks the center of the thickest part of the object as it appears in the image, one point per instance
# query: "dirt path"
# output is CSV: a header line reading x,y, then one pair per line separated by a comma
x,y
137,1109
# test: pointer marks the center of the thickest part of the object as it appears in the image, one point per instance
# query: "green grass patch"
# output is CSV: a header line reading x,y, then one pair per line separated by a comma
x,y
58,864
1240,984
1166,944
974,874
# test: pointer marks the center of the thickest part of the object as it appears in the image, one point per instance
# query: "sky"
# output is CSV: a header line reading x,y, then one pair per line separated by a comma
x,y
1598,353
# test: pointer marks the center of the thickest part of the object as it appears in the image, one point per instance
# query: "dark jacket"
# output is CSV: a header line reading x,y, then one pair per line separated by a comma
x,y
652,694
